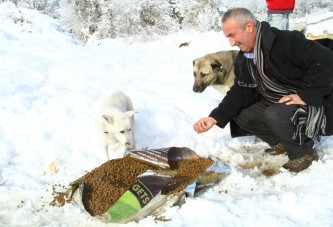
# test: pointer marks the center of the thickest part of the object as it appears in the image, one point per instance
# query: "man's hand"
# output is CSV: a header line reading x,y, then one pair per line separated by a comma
x,y
204,124
292,99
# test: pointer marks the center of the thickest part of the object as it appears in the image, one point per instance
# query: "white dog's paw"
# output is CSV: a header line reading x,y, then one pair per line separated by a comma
x,y
117,151
131,146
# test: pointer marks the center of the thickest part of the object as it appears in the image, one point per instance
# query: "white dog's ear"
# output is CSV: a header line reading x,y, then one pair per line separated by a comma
x,y
108,118
130,113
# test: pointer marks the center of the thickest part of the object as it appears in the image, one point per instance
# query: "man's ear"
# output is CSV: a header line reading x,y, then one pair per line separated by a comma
x,y
250,26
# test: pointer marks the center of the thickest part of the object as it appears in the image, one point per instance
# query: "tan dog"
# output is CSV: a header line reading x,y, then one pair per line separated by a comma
x,y
216,70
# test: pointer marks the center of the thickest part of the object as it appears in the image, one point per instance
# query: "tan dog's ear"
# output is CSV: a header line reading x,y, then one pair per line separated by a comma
x,y
216,66
108,119
130,113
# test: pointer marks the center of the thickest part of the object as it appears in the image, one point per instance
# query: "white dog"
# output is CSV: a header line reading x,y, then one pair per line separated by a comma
x,y
116,123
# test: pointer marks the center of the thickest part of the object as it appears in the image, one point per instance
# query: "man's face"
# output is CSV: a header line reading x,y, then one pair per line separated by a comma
x,y
244,39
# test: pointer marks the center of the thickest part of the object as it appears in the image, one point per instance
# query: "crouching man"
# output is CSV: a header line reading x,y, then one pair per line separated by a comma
x,y
282,91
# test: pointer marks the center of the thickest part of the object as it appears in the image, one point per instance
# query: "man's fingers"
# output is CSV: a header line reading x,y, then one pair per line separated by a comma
x,y
197,127
203,125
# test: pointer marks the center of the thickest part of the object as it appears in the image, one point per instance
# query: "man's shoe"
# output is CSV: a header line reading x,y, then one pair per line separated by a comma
x,y
276,150
299,164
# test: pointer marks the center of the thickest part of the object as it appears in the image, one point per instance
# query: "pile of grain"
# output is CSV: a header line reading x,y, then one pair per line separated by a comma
x,y
104,185
187,171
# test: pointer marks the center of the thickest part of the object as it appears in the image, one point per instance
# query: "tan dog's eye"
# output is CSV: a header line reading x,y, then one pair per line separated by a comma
x,y
122,131
203,75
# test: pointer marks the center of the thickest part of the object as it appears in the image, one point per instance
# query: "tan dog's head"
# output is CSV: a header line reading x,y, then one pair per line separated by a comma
x,y
212,69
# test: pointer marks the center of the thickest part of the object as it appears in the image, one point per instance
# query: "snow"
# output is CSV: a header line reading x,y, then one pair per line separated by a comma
x,y
51,88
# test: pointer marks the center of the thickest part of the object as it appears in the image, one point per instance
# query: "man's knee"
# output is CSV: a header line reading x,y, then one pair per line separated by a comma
x,y
272,113
279,112
248,117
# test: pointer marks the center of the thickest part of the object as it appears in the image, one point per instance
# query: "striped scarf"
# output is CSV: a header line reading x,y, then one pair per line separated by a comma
x,y
308,120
